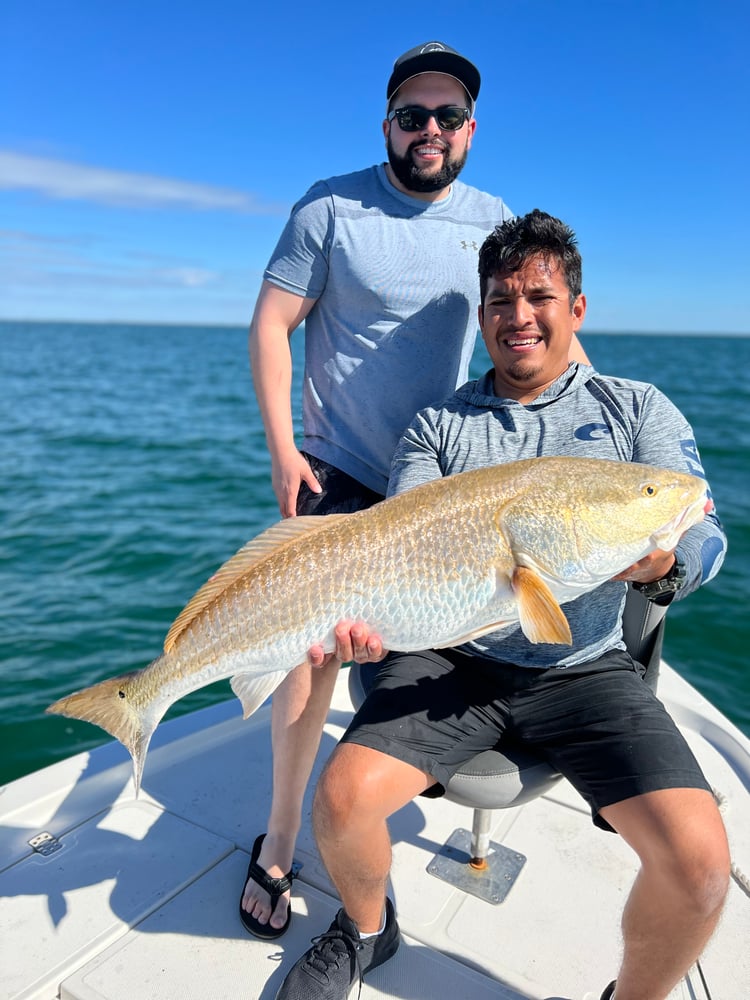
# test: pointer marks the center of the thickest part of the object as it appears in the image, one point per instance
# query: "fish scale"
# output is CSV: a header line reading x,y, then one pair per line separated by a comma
x,y
435,566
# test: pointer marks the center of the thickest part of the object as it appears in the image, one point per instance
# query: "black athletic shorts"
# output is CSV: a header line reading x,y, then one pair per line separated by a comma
x,y
598,723
341,493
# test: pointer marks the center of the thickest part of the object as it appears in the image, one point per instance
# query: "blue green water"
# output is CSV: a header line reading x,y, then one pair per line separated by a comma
x,y
133,462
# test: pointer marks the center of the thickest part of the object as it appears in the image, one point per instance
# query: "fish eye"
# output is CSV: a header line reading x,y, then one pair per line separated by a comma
x,y
649,490
121,694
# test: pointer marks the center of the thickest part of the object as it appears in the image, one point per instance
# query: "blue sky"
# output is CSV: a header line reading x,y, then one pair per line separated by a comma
x,y
150,151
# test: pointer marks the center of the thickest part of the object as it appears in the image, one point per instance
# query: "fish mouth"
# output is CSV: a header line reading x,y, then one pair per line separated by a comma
x,y
667,537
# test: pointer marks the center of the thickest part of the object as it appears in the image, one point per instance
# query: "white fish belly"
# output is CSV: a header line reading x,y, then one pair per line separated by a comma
x,y
408,613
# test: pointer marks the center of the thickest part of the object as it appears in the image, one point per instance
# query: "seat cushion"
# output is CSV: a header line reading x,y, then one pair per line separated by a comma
x,y
498,779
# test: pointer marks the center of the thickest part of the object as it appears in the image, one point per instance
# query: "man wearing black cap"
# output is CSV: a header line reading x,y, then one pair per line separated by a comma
x,y
381,266
414,169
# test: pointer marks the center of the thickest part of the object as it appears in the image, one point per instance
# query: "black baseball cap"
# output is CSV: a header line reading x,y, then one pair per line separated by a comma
x,y
434,57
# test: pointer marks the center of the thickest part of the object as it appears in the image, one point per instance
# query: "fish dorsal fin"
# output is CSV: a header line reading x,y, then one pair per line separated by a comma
x,y
253,552
542,619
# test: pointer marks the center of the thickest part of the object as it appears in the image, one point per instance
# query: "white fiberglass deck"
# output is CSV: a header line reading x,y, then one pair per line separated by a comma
x,y
139,902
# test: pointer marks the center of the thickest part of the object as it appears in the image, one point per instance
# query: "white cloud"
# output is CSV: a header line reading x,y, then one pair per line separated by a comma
x,y
60,179
32,261
190,277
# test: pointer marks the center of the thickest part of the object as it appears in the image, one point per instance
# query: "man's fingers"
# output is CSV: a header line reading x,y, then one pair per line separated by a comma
x,y
317,656
353,642
375,649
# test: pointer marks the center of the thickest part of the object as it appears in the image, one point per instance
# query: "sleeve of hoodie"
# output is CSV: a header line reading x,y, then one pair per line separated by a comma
x,y
417,458
661,436
664,438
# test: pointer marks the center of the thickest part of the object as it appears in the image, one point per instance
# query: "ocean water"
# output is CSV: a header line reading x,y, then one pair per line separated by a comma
x,y
133,463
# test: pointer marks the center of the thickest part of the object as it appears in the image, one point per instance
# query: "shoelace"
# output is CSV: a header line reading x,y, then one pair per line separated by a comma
x,y
331,948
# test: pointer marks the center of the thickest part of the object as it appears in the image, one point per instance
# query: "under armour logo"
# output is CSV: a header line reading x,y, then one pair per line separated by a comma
x,y
469,245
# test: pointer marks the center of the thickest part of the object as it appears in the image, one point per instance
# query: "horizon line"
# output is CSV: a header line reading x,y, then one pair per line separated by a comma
x,y
244,326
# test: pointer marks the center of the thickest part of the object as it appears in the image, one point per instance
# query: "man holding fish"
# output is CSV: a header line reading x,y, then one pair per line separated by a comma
x,y
583,705
380,265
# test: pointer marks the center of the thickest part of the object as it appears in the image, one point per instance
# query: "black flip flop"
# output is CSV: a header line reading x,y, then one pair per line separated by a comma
x,y
275,887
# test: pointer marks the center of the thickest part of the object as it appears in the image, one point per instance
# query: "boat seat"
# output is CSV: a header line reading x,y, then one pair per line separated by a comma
x,y
511,776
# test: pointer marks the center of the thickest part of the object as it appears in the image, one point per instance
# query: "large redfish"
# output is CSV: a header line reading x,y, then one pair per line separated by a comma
x,y
435,566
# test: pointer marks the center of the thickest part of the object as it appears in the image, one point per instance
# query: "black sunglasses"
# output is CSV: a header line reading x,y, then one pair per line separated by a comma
x,y
414,117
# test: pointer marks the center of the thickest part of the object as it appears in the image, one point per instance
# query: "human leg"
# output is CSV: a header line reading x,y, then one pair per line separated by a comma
x,y
413,730
299,709
359,788
603,727
677,898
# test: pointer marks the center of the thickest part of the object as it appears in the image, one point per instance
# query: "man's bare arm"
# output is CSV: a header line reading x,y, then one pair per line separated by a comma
x,y
277,314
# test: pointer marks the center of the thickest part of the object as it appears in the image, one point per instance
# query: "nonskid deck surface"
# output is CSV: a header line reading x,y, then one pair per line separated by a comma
x,y
140,899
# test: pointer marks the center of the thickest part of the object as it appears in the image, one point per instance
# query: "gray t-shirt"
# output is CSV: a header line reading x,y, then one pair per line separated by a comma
x,y
395,321
582,414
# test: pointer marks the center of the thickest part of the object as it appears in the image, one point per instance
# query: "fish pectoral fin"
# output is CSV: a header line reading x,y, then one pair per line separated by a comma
x,y
541,617
252,690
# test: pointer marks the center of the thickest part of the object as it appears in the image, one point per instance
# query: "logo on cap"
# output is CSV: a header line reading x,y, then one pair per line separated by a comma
x,y
432,47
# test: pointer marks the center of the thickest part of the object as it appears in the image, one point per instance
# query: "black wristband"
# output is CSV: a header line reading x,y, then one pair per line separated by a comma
x,y
662,591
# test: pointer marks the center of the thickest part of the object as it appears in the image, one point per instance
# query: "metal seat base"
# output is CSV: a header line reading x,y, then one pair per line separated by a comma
x,y
490,878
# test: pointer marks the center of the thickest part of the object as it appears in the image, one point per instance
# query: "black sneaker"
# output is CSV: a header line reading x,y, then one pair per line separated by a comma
x,y
338,959
610,991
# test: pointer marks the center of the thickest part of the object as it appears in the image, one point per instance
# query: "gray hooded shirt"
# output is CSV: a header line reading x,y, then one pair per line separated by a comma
x,y
582,414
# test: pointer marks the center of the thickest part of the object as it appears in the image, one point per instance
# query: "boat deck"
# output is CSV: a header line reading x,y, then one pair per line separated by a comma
x,y
137,899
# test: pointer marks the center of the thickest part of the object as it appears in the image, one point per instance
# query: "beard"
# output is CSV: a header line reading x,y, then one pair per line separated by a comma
x,y
416,178
519,373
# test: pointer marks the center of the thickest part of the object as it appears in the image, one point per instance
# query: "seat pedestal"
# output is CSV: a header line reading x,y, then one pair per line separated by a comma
x,y
488,872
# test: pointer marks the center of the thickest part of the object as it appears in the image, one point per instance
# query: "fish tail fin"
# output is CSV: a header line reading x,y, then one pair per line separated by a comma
x,y
109,706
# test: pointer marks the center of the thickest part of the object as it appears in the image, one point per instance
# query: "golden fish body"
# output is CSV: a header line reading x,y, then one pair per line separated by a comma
x,y
436,566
